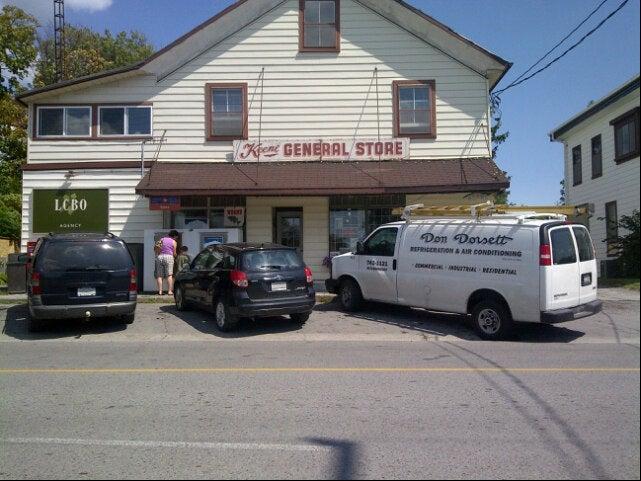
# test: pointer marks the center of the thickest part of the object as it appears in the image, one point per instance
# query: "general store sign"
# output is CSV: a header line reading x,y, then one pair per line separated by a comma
x,y
70,210
321,149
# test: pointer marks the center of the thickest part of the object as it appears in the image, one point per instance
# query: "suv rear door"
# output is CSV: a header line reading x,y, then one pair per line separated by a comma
x,y
587,264
84,271
274,274
563,277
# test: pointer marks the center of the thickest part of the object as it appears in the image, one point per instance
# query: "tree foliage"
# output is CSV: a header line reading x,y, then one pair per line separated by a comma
x,y
88,52
17,37
628,245
498,138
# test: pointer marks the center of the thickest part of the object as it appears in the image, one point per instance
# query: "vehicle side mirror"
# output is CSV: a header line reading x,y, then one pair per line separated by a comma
x,y
360,248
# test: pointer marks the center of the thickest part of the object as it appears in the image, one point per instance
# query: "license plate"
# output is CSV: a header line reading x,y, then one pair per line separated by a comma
x,y
279,286
86,291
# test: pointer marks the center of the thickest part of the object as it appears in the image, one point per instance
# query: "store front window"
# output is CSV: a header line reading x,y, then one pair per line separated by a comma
x,y
354,217
201,212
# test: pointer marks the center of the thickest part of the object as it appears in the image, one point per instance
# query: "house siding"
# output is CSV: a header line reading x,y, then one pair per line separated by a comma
x,y
619,182
305,95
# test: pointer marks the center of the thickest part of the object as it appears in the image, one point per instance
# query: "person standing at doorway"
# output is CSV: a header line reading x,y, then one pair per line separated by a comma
x,y
166,251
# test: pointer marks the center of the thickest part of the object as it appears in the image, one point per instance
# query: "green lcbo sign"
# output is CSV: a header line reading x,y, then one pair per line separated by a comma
x,y
70,210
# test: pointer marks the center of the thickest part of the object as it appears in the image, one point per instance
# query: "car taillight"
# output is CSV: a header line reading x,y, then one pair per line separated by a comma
x,y
309,276
133,281
36,288
239,279
545,258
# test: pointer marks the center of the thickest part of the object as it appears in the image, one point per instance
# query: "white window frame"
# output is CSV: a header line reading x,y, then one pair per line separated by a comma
x,y
64,121
126,120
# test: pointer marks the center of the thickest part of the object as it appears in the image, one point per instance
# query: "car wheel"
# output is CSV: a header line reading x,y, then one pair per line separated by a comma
x,y
179,298
300,318
492,320
129,318
225,321
350,296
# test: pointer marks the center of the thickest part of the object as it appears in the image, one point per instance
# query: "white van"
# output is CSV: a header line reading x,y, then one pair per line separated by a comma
x,y
500,270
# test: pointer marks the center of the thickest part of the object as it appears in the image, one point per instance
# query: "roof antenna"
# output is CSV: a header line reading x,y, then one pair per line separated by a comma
x,y
59,34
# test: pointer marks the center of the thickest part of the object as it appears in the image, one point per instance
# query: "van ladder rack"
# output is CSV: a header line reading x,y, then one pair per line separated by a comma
x,y
489,209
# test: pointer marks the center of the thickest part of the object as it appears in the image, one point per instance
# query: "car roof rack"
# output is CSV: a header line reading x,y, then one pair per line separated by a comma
x,y
490,209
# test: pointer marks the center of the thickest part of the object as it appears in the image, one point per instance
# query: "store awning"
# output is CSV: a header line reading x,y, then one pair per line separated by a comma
x,y
322,178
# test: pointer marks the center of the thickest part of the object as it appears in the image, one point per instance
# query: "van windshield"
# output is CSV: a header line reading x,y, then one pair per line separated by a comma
x,y
584,241
271,260
83,256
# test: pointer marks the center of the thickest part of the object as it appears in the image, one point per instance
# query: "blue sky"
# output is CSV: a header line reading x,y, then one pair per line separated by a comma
x,y
518,30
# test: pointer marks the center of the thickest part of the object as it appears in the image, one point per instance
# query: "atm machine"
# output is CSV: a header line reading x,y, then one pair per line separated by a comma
x,y
195,240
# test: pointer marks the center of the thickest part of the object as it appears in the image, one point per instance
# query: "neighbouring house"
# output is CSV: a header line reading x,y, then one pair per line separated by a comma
x,y
601,146
299,122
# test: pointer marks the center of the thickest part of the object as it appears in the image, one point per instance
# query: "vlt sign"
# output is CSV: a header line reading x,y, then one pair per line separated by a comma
x,y
70,210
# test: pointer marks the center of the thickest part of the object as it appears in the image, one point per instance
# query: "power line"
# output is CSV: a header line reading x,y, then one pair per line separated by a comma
x,y
552,62
561,42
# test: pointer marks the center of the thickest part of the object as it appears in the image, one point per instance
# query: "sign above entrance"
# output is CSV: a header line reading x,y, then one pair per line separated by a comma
x,y
171,203
321,149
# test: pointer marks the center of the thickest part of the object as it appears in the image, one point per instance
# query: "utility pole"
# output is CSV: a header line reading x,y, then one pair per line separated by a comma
x,y
59,33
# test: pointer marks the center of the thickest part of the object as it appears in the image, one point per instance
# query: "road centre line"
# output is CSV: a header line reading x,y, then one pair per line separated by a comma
x,y
168,444
321,370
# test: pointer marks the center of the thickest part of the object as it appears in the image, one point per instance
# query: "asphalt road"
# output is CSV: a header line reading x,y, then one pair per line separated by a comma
x,y
390,393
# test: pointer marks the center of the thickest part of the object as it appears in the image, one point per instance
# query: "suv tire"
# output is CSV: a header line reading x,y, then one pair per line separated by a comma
x,y
128,318
300,318
350,295
225,321
492,320
35,325
179,298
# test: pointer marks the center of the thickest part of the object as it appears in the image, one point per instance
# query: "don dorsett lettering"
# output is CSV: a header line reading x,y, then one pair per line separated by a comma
x,y
500,240
321,149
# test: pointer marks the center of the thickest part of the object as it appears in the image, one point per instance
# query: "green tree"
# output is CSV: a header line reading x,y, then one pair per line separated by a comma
x,y
88,52
17,37
628,245
498,138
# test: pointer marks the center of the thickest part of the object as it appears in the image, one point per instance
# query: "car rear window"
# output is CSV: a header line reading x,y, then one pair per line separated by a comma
x,y
83,256
584,241
271,260
563,251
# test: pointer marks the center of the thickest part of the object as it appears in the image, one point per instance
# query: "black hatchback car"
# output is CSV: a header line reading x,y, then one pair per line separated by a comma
x,y
81,276
236,281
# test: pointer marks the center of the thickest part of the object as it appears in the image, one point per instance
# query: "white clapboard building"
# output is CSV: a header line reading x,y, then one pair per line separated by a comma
x,y
292,121
601,146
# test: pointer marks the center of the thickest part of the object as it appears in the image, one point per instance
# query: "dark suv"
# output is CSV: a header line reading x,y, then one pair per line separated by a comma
x,y
81,276
237,281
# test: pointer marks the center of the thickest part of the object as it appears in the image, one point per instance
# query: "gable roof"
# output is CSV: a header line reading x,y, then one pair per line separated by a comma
x,y
242,13
596,107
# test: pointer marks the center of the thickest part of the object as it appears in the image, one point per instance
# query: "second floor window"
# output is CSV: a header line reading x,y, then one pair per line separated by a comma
x,y
319,25
415,110
124,121
226,111
577,166
597,157
626,136
64,121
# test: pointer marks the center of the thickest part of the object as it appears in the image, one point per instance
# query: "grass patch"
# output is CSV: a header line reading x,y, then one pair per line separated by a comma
x,y
630,284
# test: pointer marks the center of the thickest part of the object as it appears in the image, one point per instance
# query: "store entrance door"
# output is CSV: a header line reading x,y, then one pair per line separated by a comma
x,y
289,227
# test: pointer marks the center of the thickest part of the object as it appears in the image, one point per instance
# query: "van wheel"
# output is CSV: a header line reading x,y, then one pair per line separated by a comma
x,y
350,296
225,321
179,298
492,320
300,318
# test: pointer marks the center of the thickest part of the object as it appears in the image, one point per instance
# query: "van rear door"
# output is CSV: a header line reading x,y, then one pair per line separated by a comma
x,y
562,279
587,264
